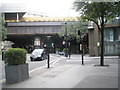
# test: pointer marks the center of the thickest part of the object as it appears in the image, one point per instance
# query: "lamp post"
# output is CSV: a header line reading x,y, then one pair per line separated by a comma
x,y
48,51
79,33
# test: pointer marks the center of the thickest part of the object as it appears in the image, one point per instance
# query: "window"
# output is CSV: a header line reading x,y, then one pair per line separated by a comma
x,y
109,35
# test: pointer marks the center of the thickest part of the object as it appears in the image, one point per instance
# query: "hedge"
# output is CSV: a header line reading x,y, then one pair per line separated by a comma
x,y
15,56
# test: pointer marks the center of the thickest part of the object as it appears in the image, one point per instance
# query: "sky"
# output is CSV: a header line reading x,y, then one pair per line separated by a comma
x,y
51,8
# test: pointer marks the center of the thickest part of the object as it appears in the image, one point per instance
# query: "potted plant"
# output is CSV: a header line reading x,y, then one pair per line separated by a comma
x,y
16,68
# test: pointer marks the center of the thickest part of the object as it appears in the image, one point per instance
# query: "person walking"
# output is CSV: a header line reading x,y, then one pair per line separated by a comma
x,y
69,54
69,51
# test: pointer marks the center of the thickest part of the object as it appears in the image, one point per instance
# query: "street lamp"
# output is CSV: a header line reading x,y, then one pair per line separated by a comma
x,y
79,33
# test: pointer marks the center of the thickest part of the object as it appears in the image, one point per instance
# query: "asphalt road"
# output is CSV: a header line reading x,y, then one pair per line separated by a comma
x,y
35,64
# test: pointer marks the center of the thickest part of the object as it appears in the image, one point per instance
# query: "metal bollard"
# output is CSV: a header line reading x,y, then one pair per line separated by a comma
x,y
82,60
48,61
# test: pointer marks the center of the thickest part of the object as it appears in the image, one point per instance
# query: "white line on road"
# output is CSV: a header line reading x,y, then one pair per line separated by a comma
x,y
36,69
55,61
51,63
76,60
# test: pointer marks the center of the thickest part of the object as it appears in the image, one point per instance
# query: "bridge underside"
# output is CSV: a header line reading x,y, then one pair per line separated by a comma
x,y
25,35
28,41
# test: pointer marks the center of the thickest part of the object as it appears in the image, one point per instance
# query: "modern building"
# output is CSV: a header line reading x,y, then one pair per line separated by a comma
x,y
12,11
111,38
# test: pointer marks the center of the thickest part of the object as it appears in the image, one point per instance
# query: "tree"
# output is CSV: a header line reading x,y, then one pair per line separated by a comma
x,y
100,13
72,30
3,30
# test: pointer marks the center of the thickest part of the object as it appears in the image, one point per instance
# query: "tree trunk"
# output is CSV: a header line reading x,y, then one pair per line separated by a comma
x,y
102,47
102,35
102,41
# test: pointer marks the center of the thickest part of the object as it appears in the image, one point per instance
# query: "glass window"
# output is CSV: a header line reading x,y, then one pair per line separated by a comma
x,y
108,34
111,35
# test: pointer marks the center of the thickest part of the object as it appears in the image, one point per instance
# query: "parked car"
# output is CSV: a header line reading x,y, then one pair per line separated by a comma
x,y
38,54
61,53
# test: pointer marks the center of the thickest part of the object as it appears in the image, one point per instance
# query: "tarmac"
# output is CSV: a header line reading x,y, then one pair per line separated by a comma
x,y
68,75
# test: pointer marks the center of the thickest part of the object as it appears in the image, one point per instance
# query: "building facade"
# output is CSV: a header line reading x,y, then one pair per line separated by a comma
x,y
111,38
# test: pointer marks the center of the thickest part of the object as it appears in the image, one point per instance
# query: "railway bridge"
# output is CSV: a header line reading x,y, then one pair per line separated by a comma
x,y
27,33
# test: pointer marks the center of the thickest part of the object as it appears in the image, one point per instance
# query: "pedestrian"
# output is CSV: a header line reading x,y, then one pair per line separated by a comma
x,y
69,54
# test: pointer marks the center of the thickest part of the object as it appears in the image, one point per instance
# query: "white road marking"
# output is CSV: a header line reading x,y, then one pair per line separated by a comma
x,y
51,63
36,69
55,61
76,60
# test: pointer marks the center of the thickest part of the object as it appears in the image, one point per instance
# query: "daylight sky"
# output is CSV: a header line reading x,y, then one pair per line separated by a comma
x,y
51,8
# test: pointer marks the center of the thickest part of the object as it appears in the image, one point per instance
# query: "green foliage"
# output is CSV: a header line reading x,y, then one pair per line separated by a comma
x,y
3,30
69,31
98,12
66,50
15,56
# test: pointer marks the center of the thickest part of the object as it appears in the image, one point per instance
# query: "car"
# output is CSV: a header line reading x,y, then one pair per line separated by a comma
x,y
38,54
61,53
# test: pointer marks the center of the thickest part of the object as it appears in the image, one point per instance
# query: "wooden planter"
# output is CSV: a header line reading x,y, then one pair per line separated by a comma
x,y
16,73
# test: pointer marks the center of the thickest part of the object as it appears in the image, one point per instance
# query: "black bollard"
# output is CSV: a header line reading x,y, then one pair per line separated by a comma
x,y
82,60
48,61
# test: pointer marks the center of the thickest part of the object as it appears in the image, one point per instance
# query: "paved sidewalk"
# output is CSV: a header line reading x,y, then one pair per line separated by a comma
x,y
71,76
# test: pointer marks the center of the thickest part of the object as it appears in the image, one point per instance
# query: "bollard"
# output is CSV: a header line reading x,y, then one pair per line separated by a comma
x,y
82,60
48,61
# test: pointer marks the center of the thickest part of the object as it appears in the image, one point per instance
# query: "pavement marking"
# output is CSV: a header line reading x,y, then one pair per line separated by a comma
x,y
76,60
52,63
55,61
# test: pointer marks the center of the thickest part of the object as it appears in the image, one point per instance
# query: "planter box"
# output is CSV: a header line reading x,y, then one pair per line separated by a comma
x,y
16,73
